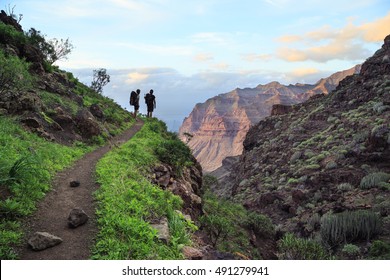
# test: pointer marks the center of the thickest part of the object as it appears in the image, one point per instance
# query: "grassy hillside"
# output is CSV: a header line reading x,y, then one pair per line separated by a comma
x,y
48,119
27,165
128,201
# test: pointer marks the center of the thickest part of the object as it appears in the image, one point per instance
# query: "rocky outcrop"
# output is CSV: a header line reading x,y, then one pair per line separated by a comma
x,y
219,125
188,186
9,20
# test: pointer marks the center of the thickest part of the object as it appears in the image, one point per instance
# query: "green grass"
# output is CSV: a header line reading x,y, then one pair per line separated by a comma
x,y
128,202
27,165
53,100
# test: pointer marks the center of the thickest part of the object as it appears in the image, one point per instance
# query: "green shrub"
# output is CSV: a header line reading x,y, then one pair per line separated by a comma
x,y
9,35
292,181
297,155
179,229
349,226
175,153
208,181
226,225
379,250
260,224
351,251
331,165
294,248
345,187
374,179
14,73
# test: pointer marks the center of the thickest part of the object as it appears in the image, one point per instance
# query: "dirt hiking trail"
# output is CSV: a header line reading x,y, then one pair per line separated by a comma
x,y
53,211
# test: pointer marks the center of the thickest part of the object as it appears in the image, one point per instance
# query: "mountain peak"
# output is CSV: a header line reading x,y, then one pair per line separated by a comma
x,y
223,128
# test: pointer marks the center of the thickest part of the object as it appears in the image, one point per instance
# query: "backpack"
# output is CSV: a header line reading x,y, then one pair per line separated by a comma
x,y
132,98
149,99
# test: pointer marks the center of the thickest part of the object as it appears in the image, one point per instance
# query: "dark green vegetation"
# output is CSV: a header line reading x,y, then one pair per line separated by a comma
x,y
128,202
229,226
291,247
349,226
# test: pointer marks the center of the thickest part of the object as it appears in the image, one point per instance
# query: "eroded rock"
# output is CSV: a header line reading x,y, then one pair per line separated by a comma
x,y
43,240
162,230
77,217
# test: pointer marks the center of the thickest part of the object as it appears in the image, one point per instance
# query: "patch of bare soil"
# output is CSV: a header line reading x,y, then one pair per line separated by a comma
x,y
52,213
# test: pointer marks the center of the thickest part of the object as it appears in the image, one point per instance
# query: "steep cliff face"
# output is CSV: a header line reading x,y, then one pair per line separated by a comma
x,y
220,124
328,155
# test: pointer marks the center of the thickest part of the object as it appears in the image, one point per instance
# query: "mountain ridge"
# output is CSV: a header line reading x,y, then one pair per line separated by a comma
x,y
219,124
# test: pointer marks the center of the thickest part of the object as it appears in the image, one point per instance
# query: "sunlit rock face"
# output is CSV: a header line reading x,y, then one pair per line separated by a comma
x,y
220,124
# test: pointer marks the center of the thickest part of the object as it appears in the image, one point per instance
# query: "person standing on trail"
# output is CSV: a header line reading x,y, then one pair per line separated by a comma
x,y
134,101
150,101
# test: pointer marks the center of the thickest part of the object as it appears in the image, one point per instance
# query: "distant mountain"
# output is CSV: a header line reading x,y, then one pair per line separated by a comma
x,y
220,124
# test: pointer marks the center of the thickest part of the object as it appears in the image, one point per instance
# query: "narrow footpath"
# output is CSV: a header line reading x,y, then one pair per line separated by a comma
x,y
53,211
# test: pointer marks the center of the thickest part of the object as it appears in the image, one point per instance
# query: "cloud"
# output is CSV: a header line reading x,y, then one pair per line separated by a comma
x,y
252,57
203,57
303,72
289,38
334,50
221,66
327,43
377,30
136,77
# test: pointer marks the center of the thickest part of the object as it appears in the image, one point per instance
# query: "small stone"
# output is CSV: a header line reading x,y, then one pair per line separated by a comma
x,y
77,217
164,180
43,240
74,184
191,253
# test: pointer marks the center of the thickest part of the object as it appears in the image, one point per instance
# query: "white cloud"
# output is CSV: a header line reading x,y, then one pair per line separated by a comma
x,y
303,72
327,43
252,57
203,57
136,77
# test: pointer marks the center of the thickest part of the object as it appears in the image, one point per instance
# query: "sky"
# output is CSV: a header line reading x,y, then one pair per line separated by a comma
x,y
188,51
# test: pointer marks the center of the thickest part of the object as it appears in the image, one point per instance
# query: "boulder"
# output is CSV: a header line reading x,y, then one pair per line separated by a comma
x,y
31,122
96,111
77,217
162,230
191,253
298,196
43,240
164,180
87,124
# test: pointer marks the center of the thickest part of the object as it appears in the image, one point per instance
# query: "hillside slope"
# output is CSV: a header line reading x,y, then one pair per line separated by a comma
x,y
324,161
220,124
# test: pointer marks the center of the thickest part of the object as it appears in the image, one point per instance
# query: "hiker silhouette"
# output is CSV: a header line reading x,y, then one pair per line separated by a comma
x,y
134,101
150,101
